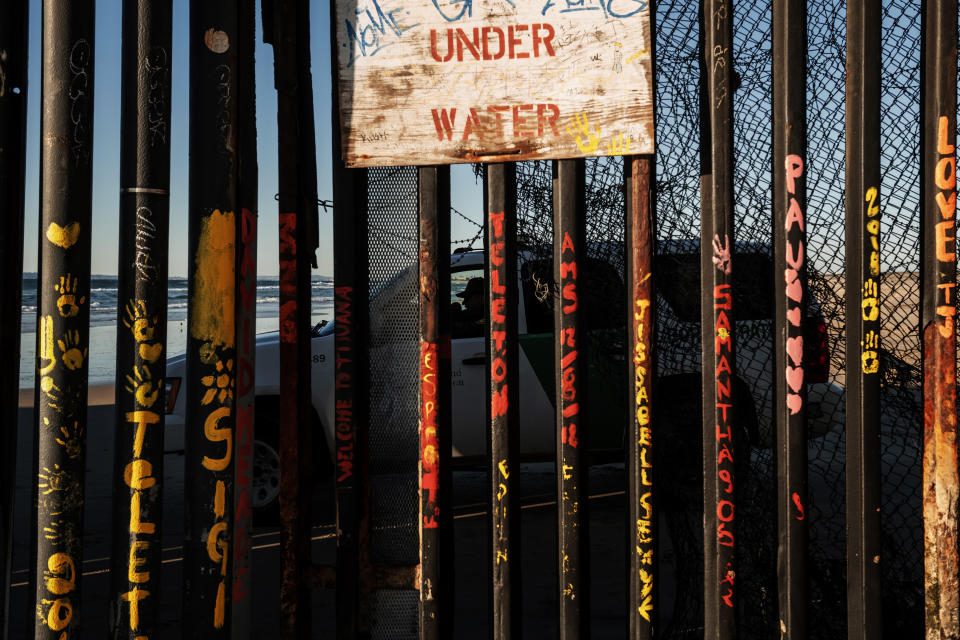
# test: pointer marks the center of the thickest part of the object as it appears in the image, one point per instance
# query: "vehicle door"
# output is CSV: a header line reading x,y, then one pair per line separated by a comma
x,y
603,298
468,374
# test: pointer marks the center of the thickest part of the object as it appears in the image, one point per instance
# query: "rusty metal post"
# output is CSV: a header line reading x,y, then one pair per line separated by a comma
x,y
13,126
436,533
246,269
644,512
211,342
351,363
141,318
352,386
864,615
291,40
503,396
717,317
63,318
790,295
938,277
570,353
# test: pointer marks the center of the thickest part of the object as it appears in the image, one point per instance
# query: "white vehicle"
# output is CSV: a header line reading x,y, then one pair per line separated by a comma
x,y
678,354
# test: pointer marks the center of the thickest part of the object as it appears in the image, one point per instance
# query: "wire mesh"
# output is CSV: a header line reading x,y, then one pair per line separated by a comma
x,y
678,230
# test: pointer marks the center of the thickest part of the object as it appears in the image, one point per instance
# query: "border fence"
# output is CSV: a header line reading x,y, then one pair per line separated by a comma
x,y
781,273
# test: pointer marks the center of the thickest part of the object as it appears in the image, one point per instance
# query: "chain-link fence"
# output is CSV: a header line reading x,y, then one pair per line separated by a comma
x,y
678,231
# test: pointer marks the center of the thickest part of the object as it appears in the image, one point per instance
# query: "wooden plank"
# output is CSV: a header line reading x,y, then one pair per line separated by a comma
x,y
447,81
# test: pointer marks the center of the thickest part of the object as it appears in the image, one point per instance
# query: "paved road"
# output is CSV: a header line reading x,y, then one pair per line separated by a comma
x,y
607,530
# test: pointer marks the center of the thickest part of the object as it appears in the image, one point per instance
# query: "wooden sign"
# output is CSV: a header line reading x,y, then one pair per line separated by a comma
x,y
445,81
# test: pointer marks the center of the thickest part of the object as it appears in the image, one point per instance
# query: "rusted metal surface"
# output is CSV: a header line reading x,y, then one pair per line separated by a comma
x,y
937,317
63,318
717,316
791,299
572,404
211,321
373,577
351,365
13,125
466,82
246,269
502,396
436,531
863,319
141,319
644,577
291,41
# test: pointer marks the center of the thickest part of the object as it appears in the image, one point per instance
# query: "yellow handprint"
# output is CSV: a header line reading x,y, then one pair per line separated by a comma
x,y
67,303
581,130
139,323
618,145
73,355
142,387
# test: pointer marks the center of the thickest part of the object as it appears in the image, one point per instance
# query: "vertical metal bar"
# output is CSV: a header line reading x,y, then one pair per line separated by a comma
x,y
790,295
937,322
863,319
436,534
644,512
63,317
13,125
569,237
211,321
351,387
241,592
141,318
502,396
717,317
291,21
351,362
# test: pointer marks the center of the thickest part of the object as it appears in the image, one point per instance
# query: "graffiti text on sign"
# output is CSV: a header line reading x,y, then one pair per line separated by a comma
x,y
214,320
498,303
499,393
372,28
490,122
480,44
80,58
429,453
138,476
344,409
146,232
610,8
288,278
723,303
644,535
568,345
60,578
945,177
794,267
870,345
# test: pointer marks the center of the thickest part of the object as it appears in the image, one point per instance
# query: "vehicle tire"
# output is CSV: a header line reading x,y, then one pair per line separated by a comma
x,y
265,494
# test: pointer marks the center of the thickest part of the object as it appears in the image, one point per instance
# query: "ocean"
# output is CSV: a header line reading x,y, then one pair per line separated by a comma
x,y
103,319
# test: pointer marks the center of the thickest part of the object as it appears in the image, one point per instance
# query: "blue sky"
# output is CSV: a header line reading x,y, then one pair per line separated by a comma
x,y
106,149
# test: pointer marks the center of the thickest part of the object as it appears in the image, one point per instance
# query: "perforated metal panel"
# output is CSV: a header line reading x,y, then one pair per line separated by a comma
x,y
395,615
394,351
